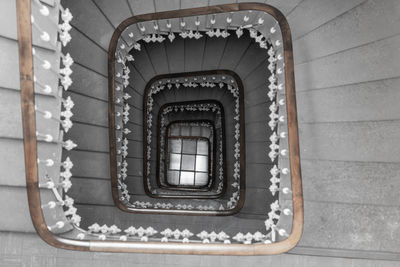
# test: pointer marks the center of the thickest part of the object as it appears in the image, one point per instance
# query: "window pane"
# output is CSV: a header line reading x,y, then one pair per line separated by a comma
x,y
173,177
187,178
174,131
188,162
195,130
202,147
189,146
185,130
205,132
202,163
175,145
201,178
174,161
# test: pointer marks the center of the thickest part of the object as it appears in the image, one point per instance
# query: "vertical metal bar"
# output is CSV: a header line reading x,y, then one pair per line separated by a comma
x,y
195,160
29,126
180,165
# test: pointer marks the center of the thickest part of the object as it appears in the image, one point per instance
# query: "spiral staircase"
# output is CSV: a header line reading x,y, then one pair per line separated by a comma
x,y
346,69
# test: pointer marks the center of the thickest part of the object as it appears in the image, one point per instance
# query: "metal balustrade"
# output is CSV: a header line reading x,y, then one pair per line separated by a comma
x,y
285,220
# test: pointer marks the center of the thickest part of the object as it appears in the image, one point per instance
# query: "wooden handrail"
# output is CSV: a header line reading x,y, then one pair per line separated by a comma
x,y
30,147
29,127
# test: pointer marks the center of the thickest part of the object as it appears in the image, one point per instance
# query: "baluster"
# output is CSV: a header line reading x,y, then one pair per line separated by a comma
x,y
44,36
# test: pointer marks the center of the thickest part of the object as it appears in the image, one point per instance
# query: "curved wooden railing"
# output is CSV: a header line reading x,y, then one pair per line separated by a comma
x,y
30,145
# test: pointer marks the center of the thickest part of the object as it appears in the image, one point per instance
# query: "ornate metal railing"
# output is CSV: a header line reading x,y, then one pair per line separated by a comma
x,y
108,238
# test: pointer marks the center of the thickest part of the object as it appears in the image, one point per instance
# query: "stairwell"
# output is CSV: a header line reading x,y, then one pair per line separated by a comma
x,y
346,69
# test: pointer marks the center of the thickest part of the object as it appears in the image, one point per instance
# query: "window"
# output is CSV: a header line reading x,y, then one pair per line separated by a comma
x,y
188,161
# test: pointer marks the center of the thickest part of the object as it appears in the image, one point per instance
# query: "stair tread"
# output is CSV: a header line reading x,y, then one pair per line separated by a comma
x,y
358,26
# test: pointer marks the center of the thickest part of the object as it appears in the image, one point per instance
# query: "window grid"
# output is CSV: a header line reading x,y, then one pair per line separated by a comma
x,y
195,170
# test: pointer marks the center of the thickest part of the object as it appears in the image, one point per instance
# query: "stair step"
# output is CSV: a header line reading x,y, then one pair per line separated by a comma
x,y
116,11
9,76
13,201
369,101
351,182
92,56
355,65
317,14
10,105
359,228
91,22
349,141
360,25
48,24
